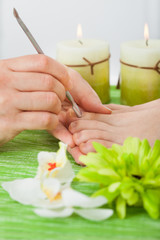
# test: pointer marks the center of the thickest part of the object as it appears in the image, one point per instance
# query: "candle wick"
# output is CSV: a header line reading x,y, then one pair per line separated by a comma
x,y
147,42
80,42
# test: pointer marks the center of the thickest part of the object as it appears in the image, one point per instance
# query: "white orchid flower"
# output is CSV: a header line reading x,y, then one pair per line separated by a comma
x,y
55,165
76,202
53,200
50,190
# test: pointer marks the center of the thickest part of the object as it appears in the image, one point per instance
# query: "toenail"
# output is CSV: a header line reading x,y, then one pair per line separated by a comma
x,y
76,137
72,125
85,147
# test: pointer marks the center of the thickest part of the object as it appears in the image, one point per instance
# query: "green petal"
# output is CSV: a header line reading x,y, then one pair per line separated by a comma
x,y
131,164
132,145
100,148
134,198
144,149
114,186
109,195
151,202
91,175
127,193
155,152
94,160
139,188
109,172
152,183
145,165
153,169
156,165
107,154
143,152
121,207
118,149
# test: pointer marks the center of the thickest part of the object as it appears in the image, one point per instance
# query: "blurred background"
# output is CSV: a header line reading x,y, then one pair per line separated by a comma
x,y
51,21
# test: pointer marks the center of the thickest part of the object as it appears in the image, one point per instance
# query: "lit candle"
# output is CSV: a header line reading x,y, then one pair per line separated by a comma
x,y
140,70
91,59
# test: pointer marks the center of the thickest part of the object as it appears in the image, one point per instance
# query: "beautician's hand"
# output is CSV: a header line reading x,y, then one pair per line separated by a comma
x,y
86,98
31,91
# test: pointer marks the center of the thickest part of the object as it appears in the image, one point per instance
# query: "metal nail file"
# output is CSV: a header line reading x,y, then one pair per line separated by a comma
x,y
39,50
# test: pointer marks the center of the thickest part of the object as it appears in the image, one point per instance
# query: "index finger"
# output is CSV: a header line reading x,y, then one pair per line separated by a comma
x,y
41,64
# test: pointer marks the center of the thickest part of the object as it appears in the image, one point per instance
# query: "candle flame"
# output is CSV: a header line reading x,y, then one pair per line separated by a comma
x,y
146,33
79,32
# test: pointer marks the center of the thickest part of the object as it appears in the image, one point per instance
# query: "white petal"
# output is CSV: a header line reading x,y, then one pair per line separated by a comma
x,y
61,156
65,212
45,157
25,191
94,214
28,192
48,204
66,173
52,186
77,199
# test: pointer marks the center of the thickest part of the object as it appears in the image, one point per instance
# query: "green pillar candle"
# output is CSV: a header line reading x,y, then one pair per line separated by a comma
x,y
140,72
91,59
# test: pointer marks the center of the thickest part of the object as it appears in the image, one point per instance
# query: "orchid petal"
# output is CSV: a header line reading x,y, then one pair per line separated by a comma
x,y
28,192
65,212
94,214
77,199
49,204
61,153
25,191
63,170
51,187
66,173
43,159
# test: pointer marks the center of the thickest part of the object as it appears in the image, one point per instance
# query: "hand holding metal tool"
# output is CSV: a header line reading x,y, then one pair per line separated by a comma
x,y
39,50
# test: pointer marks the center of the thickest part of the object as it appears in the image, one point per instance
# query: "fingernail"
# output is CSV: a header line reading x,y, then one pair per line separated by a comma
x,y
103,109
72,125
76,138
84,147
108,109
71,113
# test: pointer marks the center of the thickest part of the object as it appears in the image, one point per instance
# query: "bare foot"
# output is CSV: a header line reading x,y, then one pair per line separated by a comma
x,y
141,121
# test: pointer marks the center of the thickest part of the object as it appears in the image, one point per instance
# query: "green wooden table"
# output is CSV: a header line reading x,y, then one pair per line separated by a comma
x,y
18,159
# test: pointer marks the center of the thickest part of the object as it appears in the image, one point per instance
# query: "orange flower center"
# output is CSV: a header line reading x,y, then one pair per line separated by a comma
x,y
51,166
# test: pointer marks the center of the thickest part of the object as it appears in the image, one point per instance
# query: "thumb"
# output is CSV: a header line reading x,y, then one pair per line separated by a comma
x,y
84,94
92,103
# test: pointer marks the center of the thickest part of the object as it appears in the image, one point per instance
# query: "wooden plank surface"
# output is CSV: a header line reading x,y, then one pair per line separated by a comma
x,y
18,159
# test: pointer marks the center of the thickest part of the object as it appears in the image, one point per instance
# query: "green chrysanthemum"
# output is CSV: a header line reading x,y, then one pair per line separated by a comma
x,y
127,175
